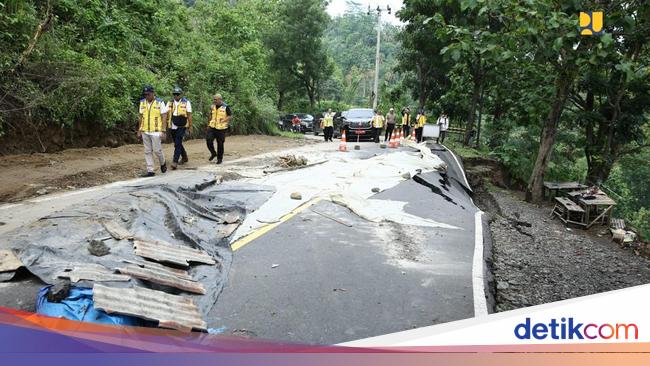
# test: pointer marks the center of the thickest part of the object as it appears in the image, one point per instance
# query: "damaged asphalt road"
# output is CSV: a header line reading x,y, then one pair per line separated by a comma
x,y
326,275
329,273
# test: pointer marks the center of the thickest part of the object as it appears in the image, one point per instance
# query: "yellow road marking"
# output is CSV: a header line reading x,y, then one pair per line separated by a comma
x,y
265,229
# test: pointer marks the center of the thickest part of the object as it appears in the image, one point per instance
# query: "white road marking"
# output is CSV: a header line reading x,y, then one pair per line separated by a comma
x,y
478,280
459,166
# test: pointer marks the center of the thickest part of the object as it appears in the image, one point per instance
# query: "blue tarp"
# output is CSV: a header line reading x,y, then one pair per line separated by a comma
x,y
79,306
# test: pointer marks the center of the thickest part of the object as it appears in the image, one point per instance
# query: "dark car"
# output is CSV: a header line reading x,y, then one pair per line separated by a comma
x,y
306,122
357,123
337,124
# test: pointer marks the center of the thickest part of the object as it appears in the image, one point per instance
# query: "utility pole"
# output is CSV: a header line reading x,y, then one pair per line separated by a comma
x,y
376,85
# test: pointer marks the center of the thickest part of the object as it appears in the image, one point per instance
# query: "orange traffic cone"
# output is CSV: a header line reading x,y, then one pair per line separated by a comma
x,y
400,137
392,140
343,146
413,134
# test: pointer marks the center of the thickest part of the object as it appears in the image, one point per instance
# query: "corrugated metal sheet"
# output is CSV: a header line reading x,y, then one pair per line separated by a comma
x,y
91,272
170,253
116,230
9,261
163,275
171,311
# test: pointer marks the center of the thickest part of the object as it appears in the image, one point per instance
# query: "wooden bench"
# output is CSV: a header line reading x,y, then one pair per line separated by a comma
x,y
560,188
568,211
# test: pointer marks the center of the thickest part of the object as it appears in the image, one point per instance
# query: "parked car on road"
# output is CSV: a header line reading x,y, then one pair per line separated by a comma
x,y
306,122
357,123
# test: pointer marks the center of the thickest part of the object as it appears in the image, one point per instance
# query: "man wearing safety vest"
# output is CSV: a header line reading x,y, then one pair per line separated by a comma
x,y
220,116
151,128
421,120
377,125
180,120
406,121
327,124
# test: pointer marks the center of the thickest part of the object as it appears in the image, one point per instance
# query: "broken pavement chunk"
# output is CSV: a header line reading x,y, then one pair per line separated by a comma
x,y
231,217
98,248
170,253
91,272
58,292
171,311
163,275
116,230
9,262
296,196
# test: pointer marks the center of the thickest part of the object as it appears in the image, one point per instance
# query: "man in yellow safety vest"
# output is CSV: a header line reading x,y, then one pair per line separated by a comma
x,y
406,121
377,125
327,124
151,128
220,116
421,120
179,121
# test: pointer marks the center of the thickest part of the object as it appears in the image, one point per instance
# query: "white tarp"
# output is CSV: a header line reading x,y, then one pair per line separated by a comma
x,y
349,177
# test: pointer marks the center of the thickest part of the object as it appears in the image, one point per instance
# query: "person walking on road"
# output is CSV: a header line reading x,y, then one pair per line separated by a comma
x,y
377,125
443,122
220,116
406,121
180,120
421,120
151,129
327,124
390,124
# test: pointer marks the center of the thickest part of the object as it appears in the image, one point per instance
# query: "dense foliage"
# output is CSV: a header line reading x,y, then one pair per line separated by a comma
x,y
530,90
92,58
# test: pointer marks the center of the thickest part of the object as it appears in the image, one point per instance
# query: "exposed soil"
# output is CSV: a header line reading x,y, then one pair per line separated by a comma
x,y
28,175
536,259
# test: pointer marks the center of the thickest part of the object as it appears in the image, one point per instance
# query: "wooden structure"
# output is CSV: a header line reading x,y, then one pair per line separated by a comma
x,y
560,187
568,211
595,204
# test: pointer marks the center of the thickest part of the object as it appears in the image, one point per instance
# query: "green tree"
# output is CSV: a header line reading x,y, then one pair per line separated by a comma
x,y
296,46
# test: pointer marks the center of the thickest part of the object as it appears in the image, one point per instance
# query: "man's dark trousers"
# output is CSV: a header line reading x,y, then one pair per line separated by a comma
x,y
389,130
220,136
418,133
179,149
376,132
328,132
441,137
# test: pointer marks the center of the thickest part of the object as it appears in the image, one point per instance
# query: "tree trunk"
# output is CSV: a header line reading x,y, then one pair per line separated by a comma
x,y
480,117
498,135
535,188
422,95
471,114
280,99
42,28
598,171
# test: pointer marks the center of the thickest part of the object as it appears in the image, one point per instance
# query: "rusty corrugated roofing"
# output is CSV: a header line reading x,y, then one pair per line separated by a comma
x,y
156,273
170,253
91,272
171,311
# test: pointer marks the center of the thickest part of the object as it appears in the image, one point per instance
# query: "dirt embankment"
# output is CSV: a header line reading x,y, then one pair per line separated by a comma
x,y
27,175
536,259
